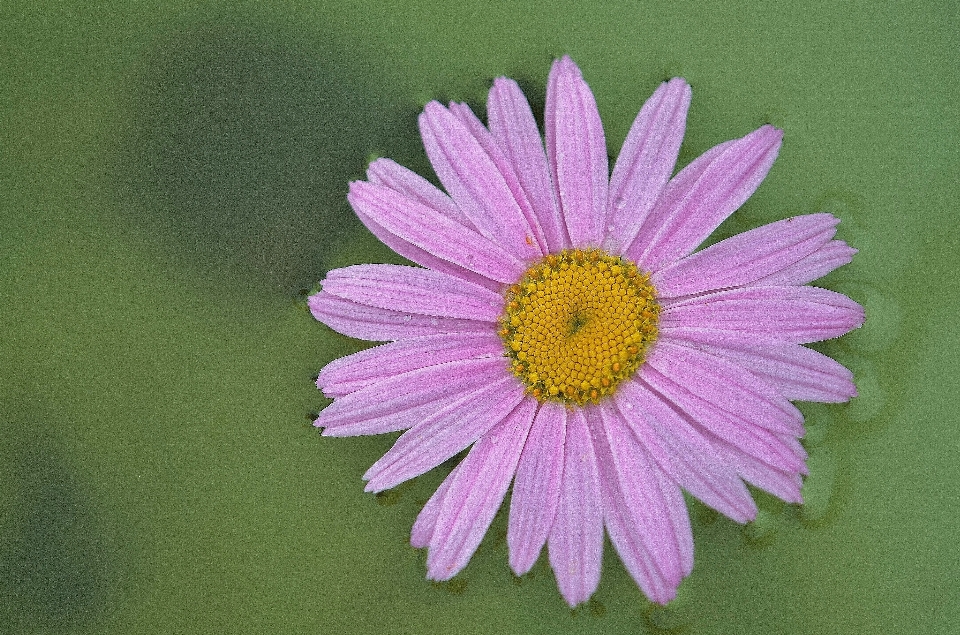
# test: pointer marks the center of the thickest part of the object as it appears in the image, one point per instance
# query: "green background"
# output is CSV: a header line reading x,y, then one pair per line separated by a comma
x,y
172,180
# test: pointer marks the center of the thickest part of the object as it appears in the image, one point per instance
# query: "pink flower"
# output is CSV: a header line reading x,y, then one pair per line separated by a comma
x,y
561,324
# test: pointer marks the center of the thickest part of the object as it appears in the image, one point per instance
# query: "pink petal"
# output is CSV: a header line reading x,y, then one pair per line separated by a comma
x,y
577,152
442,434
575,543
767,446
693,204
414,290
835,253
359,370
533,233
745,397
423,258
426,523
683,452
433,232
679,519
784,484
401,401
793,314
626,535
515,131
646,161
746,257
383,325
536,488
799,373
413,186
474,181
661,212
678,540
771,462
476,493
654,542
390,174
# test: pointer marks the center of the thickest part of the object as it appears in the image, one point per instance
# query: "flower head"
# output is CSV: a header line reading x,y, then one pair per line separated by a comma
x,y
561,324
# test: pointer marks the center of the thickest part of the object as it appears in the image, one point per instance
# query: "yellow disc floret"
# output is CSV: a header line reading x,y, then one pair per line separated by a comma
x,y
577,324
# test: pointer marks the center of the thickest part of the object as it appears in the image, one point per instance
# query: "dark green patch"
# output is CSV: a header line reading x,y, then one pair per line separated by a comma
x,y
58,564
456,586
243,142
388,498
596,608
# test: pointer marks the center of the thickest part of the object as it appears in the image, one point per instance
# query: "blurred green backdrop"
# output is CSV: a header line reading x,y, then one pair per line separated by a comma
x,y
172,181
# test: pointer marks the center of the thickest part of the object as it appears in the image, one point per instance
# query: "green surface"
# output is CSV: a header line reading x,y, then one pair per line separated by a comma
x,y
173,174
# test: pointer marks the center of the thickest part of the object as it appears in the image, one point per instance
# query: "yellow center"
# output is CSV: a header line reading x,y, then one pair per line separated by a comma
x,y
577,324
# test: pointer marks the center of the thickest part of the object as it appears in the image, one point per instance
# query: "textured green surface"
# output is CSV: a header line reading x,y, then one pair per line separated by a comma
x,y
171,176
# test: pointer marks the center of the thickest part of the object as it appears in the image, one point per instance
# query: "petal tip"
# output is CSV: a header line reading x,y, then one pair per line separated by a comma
x,y
315,304
356,189
748,514
767,134
519,568
680,84
567,66
775,134
574,597
376,169
431,111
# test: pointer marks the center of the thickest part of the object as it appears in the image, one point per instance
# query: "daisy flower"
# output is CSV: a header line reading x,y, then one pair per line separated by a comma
x,y
561,326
